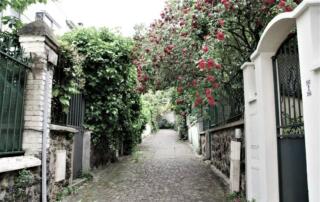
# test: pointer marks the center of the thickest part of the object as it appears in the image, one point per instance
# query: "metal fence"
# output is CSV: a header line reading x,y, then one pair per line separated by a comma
x,y
229,104
13,72
73,117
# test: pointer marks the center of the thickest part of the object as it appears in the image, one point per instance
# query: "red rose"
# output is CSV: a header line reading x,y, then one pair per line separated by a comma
x,y
211,100
282,3
202,64
220,35
218,66
208,92
205,48
288,8
194,83
211,78
269,1
198,101
221,22
210,64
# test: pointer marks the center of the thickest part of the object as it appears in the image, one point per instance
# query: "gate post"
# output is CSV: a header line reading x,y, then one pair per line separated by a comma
x,y
308,28
37,40
260,129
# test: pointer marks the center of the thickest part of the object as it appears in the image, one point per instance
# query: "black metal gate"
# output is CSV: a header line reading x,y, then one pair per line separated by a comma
x,y
75,119
290,126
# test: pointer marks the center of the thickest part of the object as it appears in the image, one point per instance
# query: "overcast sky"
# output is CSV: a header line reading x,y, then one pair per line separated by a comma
x,y
112,13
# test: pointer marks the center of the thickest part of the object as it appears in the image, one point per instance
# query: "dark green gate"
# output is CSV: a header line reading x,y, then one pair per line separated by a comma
x,y
13,72
75,119
290,126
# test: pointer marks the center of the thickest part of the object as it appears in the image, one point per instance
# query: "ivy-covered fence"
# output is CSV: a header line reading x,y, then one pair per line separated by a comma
x,y
97,63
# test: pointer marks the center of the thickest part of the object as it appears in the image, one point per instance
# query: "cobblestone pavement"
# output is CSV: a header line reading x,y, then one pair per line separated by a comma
x,y
163,169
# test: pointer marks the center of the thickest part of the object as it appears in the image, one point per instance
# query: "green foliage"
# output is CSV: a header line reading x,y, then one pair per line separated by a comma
x,y
113,107
154,105
86,175
23,181
69,75
66,191
137,155
237,197
18,5
164,124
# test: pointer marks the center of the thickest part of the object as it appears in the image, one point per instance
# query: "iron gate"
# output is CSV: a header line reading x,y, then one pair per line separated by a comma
x,y
290,126
13,76
75,118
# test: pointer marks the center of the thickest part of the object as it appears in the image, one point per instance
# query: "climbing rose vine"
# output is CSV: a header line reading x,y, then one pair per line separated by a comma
x,y
198,46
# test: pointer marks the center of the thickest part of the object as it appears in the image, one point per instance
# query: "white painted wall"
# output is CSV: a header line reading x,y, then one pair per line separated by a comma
x,y
194,136
53,8
260,123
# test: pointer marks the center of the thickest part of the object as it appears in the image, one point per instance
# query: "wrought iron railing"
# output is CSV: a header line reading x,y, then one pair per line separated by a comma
x,y
74,116
288,94
229,104
13,72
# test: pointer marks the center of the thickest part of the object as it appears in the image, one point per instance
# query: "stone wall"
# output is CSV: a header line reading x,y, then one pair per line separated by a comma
x,y
220,150
20,185
203,144
59,141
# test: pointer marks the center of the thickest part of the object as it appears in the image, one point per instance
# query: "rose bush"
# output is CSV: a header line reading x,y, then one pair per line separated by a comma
x,y
198,46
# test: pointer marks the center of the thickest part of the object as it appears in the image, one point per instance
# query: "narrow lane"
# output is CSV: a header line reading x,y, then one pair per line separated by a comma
x,y
163,169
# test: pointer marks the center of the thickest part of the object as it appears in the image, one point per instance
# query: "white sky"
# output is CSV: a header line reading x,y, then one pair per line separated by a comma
x,y
111,13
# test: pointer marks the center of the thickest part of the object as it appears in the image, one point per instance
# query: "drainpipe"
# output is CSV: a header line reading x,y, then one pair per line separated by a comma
x,y
44,139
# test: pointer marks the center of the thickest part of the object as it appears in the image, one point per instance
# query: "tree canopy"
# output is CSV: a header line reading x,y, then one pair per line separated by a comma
x,y
199,46
18,5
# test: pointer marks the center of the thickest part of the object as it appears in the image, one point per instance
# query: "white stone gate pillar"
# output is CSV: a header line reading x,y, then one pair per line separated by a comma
x,y
260,123
308,27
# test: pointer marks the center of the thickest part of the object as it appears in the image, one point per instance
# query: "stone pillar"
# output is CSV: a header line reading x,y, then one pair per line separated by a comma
x,y
308,28
86,151
37,40
207,155
260,129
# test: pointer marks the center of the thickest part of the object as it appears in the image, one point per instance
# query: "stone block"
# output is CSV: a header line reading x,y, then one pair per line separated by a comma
x,y
235,166
60,167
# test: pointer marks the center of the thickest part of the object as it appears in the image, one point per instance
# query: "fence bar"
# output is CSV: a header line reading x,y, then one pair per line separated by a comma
x,y
12,68
9,111
16,110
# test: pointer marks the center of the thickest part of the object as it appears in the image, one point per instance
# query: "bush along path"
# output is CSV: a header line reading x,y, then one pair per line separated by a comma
x,y
162,169
97,63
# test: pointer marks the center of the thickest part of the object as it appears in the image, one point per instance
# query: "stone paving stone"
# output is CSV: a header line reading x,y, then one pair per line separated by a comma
x,y
164,169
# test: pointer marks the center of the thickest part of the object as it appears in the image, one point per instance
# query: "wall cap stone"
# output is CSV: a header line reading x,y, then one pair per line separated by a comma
x,y
63,128
18,163
40,28
229,125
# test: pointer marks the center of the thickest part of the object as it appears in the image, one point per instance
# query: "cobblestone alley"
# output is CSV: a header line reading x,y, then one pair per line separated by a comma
x,y
163,169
